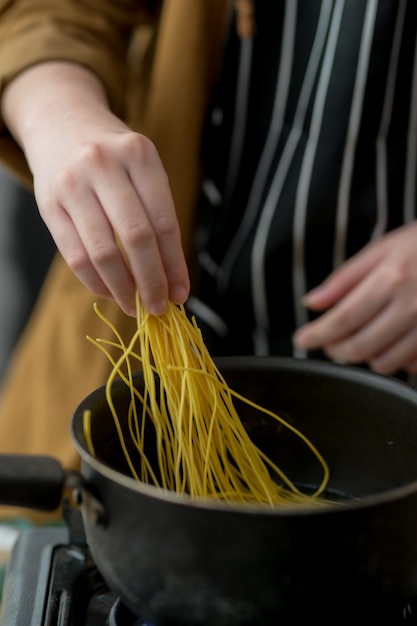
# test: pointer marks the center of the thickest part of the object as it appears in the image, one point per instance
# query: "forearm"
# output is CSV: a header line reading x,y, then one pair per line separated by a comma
x,y
48,97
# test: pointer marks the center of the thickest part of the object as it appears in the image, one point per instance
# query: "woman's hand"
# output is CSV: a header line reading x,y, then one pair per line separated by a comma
x,y
100,187
370,306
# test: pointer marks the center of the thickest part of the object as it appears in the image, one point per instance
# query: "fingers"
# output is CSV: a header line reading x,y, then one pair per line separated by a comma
x,y
138,239
157,237
72,249
374,341
400,355
373,310
387,342
116,225
342,280
351,313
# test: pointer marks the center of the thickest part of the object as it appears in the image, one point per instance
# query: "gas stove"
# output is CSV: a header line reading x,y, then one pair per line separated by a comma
x,y
51,580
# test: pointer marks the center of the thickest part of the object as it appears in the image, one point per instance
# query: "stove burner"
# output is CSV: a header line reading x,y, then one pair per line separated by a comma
x,y
51,580
121,616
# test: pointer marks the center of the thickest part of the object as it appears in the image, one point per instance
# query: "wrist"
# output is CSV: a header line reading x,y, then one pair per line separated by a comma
x,y
60,92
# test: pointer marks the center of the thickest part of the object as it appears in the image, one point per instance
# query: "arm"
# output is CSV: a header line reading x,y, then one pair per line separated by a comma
x,y
97,183
63,73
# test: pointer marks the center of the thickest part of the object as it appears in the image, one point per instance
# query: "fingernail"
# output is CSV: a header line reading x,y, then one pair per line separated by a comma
x,y
298,341
158,308
178,294
309,296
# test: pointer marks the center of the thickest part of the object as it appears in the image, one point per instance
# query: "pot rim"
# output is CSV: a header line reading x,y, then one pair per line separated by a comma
x,y
335,370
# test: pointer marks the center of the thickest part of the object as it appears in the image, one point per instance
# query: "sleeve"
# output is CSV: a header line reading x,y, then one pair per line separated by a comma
x,y
94,33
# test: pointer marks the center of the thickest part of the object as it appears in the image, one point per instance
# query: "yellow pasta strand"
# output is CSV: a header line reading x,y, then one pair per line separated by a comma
x,y
202,447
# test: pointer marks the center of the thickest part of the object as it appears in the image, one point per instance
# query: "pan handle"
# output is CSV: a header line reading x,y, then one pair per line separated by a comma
x,y
31,481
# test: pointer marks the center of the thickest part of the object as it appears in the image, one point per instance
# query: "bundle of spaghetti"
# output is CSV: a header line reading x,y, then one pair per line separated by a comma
x,y
202,446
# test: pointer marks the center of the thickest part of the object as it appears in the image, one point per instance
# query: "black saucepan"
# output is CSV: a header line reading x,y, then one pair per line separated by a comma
x,y
178,561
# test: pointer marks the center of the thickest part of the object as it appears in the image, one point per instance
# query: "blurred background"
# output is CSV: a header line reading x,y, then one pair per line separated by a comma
x,y
26,250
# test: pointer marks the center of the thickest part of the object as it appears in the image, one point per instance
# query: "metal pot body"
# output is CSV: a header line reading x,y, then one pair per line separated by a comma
x,y
177,561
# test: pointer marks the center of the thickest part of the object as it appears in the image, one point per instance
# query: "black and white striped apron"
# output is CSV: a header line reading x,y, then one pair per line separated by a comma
x,y
309,153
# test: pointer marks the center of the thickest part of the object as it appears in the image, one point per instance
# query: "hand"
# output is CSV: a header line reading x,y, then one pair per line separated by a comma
x,y
370,306
100,187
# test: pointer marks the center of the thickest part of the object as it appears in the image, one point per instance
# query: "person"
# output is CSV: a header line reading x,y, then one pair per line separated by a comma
x,y
254,160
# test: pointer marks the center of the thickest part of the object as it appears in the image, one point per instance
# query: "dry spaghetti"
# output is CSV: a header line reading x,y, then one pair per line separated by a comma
x,y
202,446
